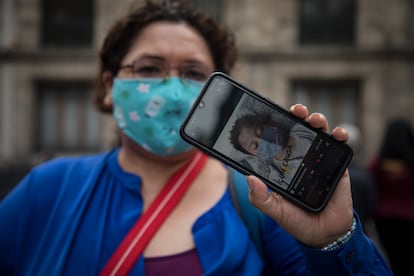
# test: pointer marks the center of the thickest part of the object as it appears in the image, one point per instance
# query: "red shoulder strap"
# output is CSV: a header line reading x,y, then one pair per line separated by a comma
x,y
143,230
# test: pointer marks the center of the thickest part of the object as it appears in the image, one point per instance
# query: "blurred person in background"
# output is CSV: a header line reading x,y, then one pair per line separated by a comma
x,y
394,173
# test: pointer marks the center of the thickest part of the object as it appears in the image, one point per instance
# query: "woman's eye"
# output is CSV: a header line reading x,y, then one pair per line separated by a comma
x,y
148,71
195,75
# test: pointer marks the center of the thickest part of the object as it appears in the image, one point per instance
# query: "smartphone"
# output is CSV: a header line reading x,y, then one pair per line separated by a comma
x,y
257,137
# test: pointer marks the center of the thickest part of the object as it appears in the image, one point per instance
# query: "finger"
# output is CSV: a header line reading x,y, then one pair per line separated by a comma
x,y
260,196
318,120
340,134
299,110
258,190
274,205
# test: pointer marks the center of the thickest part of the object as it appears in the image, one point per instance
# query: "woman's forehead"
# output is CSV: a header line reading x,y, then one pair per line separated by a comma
x,y
175,42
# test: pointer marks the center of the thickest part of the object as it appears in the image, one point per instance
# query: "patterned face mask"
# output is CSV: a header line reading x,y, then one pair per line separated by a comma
x,y
151,111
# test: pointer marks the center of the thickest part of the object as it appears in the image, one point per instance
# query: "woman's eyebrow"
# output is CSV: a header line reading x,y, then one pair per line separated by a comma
x,y
150,58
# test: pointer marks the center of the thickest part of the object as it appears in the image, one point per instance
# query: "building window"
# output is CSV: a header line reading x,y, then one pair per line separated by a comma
x,y
337,99
66,118
67,23
324,22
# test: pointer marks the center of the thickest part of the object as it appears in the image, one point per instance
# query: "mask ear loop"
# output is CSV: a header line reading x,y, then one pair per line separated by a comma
x,y
108,81
108,99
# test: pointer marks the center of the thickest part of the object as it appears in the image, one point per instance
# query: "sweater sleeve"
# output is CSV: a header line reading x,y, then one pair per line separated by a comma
x,y
359,256
287,256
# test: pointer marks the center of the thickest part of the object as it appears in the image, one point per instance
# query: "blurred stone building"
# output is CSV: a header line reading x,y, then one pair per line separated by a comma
x,y
353,60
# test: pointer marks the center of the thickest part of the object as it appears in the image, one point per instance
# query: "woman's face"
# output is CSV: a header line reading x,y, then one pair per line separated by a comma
x,y
174,44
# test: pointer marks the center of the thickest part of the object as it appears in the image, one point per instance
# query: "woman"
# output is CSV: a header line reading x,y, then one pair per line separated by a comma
x,y
69,215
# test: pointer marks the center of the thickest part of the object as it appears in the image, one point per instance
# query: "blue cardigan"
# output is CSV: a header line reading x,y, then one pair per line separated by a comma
x,y
68,215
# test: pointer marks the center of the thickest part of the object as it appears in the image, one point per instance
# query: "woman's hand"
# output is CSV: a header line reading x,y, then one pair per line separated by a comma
x,y
313,229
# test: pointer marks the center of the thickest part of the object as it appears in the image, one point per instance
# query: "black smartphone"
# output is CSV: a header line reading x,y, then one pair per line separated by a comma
x,y
258,137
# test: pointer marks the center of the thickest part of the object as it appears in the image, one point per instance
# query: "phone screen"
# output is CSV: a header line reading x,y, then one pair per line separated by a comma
x,y
255,136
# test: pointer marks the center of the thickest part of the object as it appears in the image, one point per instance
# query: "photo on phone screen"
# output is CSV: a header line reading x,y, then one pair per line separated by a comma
x,y
256,136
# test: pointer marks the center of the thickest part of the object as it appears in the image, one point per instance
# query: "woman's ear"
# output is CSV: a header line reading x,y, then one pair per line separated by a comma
x,y
108,81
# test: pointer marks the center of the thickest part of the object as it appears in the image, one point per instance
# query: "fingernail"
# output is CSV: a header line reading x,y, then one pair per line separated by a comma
x,y
250,186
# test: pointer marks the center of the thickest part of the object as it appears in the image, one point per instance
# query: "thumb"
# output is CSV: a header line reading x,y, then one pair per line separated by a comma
x,y
260,196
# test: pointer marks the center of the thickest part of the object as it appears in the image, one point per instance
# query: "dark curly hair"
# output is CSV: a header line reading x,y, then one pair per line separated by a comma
x,y
398,141
246,121
120,37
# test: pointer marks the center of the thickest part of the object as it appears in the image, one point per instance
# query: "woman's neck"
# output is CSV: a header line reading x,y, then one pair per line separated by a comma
x,y
142,164
154,171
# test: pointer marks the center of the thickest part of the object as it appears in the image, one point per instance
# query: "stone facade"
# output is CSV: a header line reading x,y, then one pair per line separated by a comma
x,y
382,59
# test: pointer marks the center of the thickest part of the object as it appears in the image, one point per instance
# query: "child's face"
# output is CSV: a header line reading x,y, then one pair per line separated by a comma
x,y
250,138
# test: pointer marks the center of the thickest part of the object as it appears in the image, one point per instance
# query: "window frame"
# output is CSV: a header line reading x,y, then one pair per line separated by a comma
x,y
322,29
65,17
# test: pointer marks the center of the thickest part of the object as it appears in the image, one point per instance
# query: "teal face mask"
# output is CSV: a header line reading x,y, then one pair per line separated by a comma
x,y
151,111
